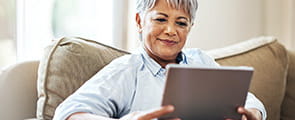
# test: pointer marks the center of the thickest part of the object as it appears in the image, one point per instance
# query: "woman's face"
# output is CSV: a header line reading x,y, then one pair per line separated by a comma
x,y
164,31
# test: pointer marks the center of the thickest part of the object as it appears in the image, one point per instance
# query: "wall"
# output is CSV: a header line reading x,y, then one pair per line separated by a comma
x,y
223,22
280,21
132,39
7,32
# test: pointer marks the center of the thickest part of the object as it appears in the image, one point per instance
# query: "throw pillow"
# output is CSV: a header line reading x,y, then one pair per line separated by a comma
x,y
65,66
270,61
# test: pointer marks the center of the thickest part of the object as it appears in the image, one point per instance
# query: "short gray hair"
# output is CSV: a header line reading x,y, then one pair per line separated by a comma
x,y
189,6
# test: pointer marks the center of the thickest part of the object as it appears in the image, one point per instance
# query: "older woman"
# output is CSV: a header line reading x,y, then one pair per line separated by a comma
x,y
131,87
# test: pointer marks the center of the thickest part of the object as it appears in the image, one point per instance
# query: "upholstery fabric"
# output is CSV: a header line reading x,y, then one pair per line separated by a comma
x,y
270,61
288,106
65,66
18,95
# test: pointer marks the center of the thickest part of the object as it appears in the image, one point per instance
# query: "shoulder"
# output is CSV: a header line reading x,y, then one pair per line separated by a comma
x,y
126,63
199,56
120,72
130,60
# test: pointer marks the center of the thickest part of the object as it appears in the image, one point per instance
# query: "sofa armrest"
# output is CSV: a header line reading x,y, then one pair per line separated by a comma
x,y
18,91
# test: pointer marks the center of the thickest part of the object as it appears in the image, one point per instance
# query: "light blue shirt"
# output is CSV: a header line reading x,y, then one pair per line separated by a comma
x,y
131,83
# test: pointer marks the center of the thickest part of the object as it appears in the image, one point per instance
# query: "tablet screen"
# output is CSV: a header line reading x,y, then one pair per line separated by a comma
x,y
206,93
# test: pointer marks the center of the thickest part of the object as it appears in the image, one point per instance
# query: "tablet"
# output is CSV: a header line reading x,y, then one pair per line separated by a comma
x,y
206,93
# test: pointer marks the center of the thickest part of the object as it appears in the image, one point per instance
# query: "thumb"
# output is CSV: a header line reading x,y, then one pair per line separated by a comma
x,y
156,113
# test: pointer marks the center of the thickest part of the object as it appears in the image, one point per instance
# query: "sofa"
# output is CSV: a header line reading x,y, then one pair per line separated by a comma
x,y
33,89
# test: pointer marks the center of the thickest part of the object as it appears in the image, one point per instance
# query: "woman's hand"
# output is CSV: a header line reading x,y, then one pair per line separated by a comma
x,y
144,115
151,114
250,114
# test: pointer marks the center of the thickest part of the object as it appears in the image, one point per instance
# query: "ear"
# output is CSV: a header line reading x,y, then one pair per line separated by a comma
x,y
138,23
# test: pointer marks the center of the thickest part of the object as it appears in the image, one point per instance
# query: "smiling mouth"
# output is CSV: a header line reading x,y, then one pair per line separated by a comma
x,y
167,41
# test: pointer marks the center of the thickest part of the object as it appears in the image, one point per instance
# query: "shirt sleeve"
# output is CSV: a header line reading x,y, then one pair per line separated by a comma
x,y
107,94
253,102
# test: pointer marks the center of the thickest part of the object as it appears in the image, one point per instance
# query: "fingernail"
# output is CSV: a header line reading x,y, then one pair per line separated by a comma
x,y
240,109
170,107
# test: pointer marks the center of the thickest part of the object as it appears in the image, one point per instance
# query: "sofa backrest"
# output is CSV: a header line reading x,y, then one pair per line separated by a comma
x,y
270,61
60,71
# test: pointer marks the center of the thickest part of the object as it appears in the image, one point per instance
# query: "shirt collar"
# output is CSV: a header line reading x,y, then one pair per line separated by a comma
x,y
156,68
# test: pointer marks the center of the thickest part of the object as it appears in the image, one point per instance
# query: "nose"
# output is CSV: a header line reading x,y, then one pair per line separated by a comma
x,y
170,30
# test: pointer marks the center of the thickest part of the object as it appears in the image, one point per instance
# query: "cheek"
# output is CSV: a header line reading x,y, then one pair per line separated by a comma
x,y
152,31
155,30
183,34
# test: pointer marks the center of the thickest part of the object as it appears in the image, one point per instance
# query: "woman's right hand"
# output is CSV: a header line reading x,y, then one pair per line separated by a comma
x,y
144,115
149,115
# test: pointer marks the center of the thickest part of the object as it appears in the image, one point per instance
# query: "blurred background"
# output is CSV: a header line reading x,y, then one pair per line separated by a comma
x,y
27,26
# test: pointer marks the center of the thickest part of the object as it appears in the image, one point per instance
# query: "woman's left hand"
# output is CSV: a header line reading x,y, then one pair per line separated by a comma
x,y
250,114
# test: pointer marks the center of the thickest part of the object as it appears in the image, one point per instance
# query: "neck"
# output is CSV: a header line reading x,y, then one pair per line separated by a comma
x,y
163,62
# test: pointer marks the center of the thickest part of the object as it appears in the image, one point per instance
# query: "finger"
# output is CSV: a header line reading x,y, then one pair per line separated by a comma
x,y
244,117
157,113
246,113
175,119
232,119
243,111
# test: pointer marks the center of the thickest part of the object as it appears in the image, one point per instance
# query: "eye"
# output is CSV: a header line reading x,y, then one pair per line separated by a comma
x,y
161,20
182,23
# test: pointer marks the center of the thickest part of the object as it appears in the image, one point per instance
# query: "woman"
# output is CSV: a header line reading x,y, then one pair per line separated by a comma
x,y
131,87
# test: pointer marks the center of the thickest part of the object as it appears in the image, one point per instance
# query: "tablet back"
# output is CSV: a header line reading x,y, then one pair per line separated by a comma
x,y
206,93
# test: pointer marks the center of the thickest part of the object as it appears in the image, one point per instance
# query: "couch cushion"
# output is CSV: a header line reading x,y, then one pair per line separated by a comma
x,y
288,106
65,66
269,59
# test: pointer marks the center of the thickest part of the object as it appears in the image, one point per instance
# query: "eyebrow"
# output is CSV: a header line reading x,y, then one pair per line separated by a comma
x,y
159,13
181,17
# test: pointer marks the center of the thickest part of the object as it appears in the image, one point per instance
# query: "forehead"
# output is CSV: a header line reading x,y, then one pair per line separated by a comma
x,y
164,7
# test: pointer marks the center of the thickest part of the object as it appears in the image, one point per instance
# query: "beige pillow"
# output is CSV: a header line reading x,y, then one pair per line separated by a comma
x,y
65,66
270,61
288,106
